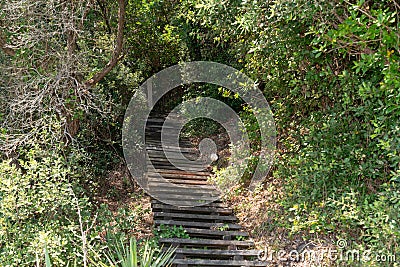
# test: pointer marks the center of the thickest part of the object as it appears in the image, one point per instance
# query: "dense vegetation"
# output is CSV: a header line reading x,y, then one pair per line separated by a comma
x,y
329,69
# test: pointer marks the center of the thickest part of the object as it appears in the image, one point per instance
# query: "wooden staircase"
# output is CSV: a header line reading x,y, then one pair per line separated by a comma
x,y
215,237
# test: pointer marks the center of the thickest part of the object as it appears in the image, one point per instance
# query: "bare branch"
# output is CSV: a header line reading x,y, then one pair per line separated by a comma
x,y
117,51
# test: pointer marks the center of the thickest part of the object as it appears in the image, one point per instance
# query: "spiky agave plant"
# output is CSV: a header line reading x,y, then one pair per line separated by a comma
x,y
130,256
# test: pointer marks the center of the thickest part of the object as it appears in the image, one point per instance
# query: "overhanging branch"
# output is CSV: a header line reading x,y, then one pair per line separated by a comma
x,y
116,56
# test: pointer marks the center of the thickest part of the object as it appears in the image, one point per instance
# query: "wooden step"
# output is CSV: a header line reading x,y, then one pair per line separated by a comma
x,y
163,171
218,252
185,191
186,165
176,160
210,218
216,240
200,262
159,167
200,225
171,149
216,204
196,200
198,209
176,176
185,168
161,155
216,234
182,202
181,175
178,181
208,243
166,184
159,177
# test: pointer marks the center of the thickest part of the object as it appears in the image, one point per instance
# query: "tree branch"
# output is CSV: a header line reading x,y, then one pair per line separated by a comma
x,y
104,14
368,14
3,46
117,50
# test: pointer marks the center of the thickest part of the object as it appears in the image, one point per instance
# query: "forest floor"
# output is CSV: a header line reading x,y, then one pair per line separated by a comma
x,y
119,191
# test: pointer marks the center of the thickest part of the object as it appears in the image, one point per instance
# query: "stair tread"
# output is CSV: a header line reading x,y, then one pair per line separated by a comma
x,y
197,209
186,241
230,252
195,216
207,262
186,195
203,225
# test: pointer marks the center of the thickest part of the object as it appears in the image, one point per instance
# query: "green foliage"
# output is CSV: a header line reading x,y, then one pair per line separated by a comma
x,y
47,257
38,208
240,238
165,231
120,254
200,127
119,224
155,39
329,69
131,256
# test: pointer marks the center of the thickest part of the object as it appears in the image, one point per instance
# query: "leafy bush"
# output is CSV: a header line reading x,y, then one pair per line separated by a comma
x,y
165,231
39,209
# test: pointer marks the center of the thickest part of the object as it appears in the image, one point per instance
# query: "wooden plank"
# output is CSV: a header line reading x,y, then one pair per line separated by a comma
x,y
214,233
171,149
161,158
184,166
161,171
164,167
175,180
178,160
218,252
206,242
153,127
175,176
182,145
198,209
157,157
182,175
181,181
182,202
200,225
184,195
156,141
216,204
171,215
181,197
183,191
199,262
195,198
158,167
161,183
